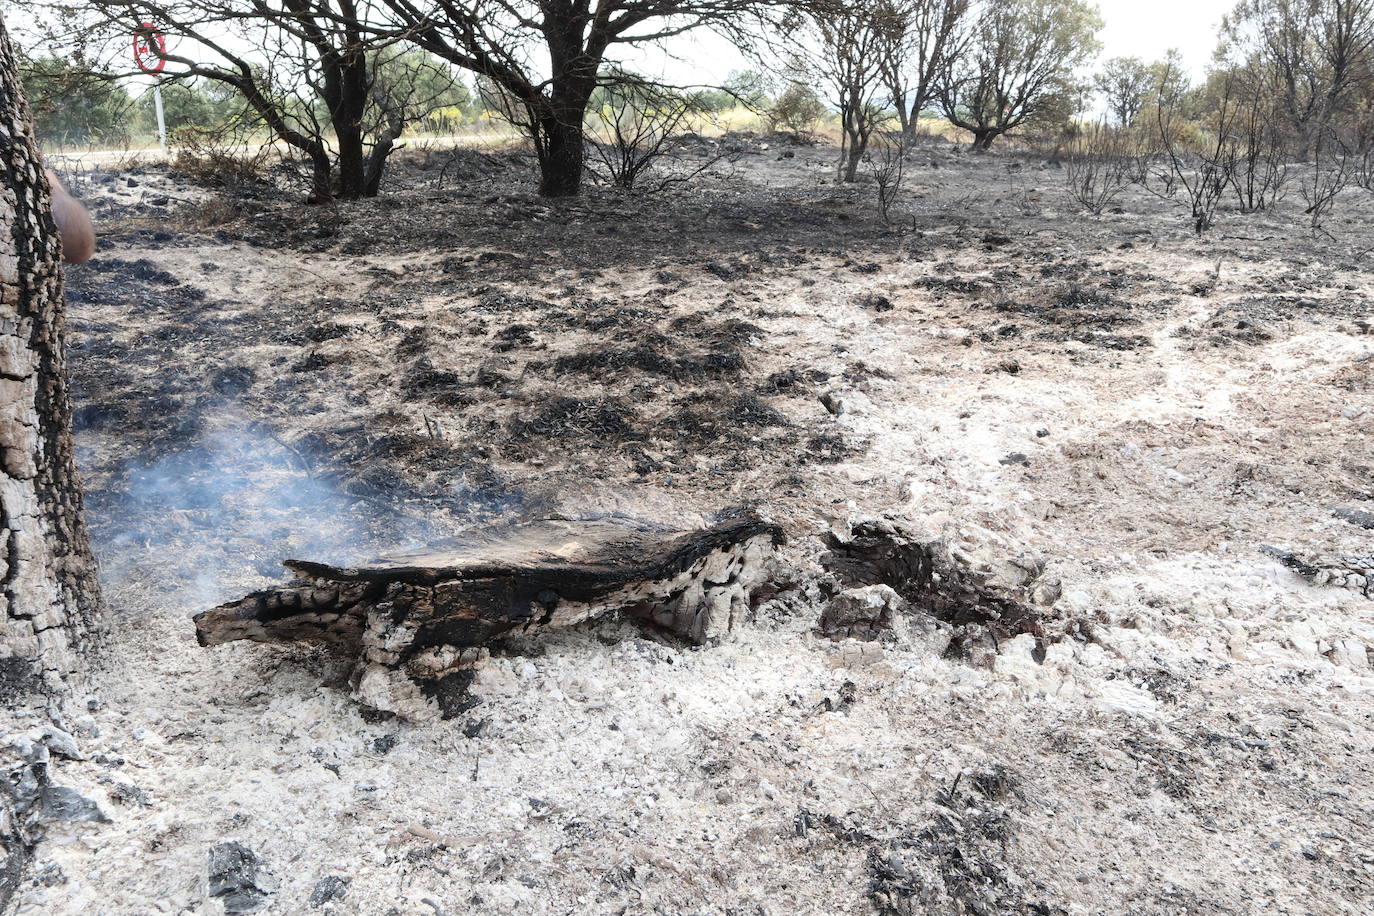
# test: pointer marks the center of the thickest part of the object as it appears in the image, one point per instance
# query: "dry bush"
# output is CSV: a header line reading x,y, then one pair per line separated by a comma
x,y
1362,170
633,134
1324,181
1261,171
214,158
1099,165
1202,169
212,212
886,164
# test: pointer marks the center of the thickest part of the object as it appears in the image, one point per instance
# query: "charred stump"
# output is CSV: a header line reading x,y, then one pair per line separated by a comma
x,y
419,622
880,564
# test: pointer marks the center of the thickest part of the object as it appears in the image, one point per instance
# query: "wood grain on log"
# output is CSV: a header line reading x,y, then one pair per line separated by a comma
x,y
419,622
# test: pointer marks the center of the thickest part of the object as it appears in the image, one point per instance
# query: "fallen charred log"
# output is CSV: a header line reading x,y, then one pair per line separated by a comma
x,y
419,622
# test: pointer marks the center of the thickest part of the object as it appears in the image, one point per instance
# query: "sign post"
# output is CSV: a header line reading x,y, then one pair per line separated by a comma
x,y
150,53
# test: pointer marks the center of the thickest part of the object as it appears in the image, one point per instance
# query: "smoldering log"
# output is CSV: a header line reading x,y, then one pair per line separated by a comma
x,y
419,622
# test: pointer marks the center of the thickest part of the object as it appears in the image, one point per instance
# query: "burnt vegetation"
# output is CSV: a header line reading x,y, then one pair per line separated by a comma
x,y
624,307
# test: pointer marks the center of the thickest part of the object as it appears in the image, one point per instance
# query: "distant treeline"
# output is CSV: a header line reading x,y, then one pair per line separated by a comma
x,y
77,107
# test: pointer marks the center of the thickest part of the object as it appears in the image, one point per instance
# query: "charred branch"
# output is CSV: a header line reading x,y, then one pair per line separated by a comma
x,y
419,622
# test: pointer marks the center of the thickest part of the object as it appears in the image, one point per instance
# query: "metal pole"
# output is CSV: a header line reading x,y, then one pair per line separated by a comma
x,y
161,122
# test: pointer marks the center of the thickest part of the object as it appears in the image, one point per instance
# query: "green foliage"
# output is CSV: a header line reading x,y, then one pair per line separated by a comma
x,y
713,100
1019,67
797,109
741,87
202,104
426,89
1129,85
75,106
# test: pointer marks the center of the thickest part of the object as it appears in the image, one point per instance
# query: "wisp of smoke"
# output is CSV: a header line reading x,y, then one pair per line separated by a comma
x,y
220,517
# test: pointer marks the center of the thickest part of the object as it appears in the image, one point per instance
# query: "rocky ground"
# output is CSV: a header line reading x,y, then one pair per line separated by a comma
x,y
1137,410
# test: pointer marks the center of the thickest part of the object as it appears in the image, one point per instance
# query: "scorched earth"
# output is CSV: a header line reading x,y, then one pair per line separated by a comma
x,y
1107,417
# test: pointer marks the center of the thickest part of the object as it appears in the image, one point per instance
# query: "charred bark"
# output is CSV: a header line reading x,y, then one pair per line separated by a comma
x,y
49,595
418,623
562,156
928,578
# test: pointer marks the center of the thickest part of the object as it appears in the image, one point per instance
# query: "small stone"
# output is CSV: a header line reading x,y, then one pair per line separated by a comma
x,y
234,878
928,638
68,806
125,793
61,743
1355,517
1014,458
834,403
861,613
330,887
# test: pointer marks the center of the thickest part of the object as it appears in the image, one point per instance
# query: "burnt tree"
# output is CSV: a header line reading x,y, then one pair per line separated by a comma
x,y
48,586
546,60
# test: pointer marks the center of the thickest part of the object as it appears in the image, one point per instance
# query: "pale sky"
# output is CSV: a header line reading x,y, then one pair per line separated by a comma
x,y
1131,28
1148,28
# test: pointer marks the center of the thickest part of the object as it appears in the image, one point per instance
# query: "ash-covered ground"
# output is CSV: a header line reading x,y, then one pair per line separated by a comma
x,y
1138,409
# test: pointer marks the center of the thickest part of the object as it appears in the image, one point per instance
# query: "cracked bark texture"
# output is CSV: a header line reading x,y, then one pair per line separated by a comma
x,y
49,595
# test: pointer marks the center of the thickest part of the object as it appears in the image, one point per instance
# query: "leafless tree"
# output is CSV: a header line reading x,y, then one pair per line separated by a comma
x,y
1362,132
1362,169
1261,172
924,39
1098,166
633,130
1327,176
1019,64
887,166
1203,173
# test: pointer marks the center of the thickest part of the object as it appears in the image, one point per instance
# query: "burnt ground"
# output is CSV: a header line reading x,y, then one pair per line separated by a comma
x,y
1135,407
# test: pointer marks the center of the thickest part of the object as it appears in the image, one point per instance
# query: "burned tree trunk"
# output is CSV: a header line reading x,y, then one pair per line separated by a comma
x,y
418,623
49,595
48,588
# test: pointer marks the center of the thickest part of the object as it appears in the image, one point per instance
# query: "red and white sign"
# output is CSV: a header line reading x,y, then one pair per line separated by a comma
x,y
150,48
